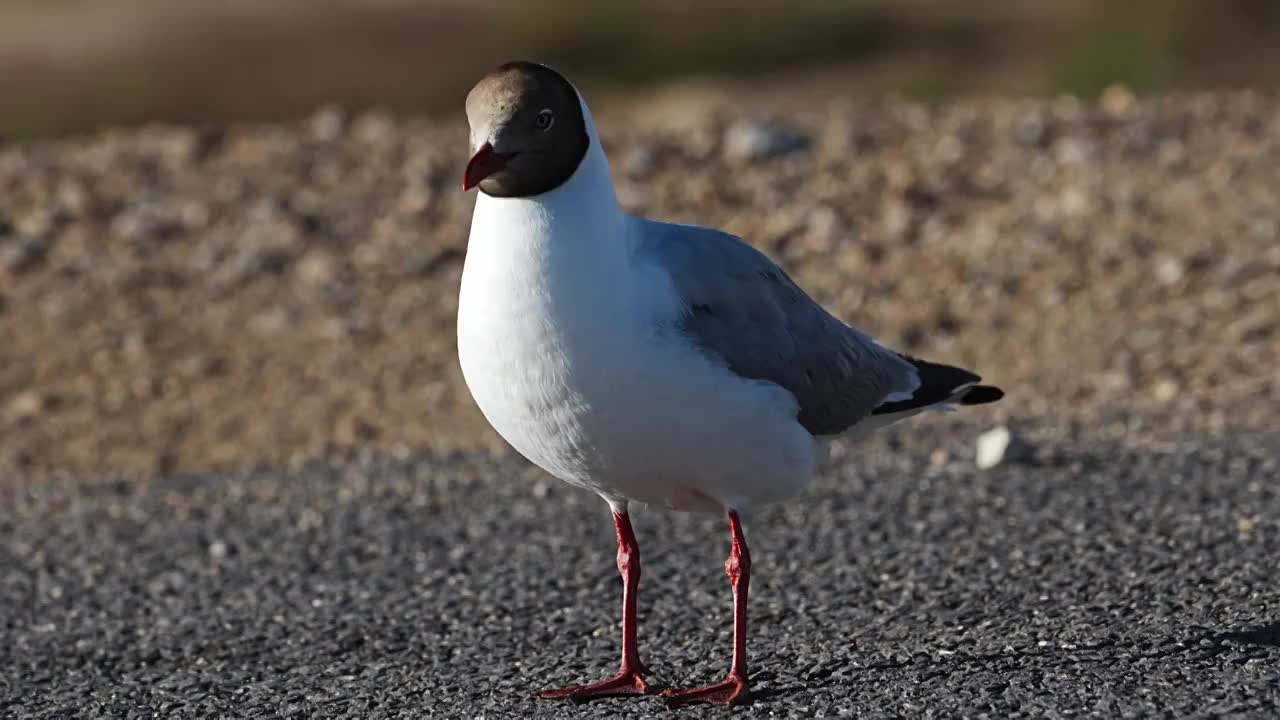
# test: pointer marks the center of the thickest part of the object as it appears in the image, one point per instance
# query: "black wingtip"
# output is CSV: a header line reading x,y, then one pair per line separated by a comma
x,y
981,395
941,384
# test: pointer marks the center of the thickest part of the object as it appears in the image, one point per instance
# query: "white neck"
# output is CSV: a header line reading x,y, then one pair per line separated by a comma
x,y
586,201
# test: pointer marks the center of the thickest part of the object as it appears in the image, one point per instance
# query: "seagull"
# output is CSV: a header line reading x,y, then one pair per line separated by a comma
x,y
650,362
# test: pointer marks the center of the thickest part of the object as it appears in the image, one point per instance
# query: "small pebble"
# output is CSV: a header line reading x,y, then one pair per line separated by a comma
x,y
992,446
752,141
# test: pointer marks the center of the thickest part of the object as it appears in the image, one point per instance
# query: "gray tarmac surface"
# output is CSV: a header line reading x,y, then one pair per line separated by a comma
x,y
1099,575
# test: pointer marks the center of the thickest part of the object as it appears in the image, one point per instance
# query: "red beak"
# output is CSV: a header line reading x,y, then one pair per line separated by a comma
x,y
483,164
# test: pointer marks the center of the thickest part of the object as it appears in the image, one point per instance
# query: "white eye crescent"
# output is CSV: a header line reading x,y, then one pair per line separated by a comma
x,y
544,120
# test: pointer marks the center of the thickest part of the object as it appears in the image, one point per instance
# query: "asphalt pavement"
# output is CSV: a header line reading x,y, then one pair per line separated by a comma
x,y
1091,576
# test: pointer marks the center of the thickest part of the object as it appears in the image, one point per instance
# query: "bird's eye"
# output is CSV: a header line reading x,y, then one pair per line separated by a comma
x,y
544,120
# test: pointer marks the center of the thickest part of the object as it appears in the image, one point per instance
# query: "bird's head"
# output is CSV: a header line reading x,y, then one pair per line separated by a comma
x,y
528,133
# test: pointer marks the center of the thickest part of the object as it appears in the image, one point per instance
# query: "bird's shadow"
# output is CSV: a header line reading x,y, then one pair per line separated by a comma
x,y
771,690
769,686
1263,635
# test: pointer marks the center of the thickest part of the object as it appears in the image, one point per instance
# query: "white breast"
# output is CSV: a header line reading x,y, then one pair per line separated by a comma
x,y
530,337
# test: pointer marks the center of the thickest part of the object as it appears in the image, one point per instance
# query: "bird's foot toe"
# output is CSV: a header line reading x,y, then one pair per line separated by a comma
x,y
630,682
730,691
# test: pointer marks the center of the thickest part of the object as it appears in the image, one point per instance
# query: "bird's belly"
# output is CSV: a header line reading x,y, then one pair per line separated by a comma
x,y
647,421
520,383
687,434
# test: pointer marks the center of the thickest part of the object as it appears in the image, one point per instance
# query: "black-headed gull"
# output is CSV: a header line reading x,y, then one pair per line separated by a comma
x,y
666,364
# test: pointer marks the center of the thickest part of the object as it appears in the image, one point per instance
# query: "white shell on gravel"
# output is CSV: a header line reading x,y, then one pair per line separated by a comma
x,y
992,446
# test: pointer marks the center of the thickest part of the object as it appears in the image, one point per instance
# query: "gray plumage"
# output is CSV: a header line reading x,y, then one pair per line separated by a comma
x,y
744,310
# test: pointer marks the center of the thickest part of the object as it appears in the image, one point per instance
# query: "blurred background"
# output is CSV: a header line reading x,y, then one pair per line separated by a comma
x,y
72,65
231,232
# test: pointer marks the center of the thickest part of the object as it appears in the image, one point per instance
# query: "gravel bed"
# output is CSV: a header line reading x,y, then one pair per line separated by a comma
x,y
1101,574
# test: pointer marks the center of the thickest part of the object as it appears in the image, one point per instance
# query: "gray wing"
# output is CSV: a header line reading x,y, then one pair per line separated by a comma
x,y
743,309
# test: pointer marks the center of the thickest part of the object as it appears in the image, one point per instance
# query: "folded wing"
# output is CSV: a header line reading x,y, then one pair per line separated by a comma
x,y
743,310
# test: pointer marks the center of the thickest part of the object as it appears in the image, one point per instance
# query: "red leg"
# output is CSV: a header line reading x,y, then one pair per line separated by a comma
x,y
733,689
629,680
